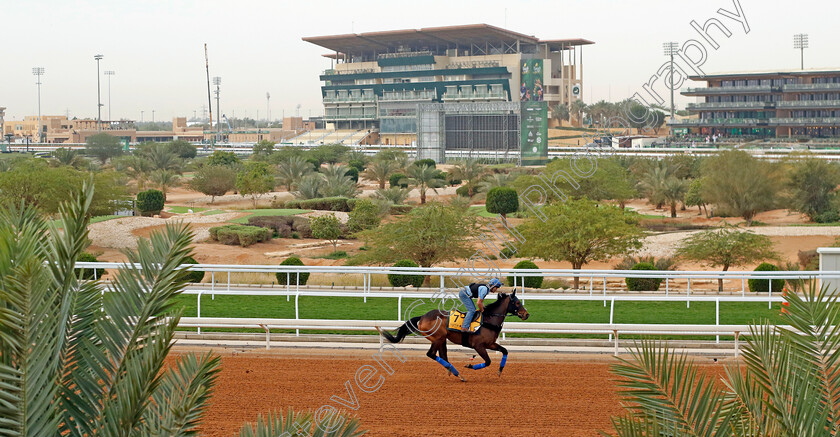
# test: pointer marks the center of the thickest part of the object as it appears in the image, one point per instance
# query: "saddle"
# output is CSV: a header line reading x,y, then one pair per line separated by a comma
x,y
456,321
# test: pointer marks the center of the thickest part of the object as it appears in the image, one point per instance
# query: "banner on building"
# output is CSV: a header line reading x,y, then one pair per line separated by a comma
x,y
534,133
531,88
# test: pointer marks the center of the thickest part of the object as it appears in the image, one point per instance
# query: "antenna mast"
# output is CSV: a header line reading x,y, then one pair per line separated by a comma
x,y
209,101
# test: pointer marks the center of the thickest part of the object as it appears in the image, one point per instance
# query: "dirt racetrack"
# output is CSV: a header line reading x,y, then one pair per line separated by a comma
x,y
537,395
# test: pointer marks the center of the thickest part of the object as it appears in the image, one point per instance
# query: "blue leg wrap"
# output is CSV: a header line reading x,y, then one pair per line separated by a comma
x,y
446,365
479,366
504,360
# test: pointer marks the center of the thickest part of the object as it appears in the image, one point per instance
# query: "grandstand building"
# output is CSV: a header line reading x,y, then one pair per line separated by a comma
x,y
378,79
799,103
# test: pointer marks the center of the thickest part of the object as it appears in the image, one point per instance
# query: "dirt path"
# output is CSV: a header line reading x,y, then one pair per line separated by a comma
x,y
545,395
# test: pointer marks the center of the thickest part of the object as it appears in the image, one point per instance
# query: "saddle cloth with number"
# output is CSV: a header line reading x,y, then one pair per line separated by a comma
x,y
456,321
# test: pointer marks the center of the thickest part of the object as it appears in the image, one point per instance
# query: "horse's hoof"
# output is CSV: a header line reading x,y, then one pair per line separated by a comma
x,y
500,373
462,378
469,366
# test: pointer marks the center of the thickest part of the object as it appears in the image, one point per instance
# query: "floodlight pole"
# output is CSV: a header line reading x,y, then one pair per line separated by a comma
x,y
39,71
800,41
671,49
109,73
98,97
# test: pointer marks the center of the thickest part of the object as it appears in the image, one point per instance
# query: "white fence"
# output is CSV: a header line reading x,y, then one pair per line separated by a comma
x,y
677,289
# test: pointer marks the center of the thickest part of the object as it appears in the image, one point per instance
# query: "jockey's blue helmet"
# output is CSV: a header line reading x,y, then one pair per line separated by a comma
x,y
495,282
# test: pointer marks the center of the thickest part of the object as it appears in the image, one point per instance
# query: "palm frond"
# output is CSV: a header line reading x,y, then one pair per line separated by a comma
x,y
294,424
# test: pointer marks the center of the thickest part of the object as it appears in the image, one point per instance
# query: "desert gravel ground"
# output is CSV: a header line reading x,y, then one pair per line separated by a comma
x,y
666,244
116,233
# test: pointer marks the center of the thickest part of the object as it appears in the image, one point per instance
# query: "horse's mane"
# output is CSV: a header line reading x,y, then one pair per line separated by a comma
x,y
499,298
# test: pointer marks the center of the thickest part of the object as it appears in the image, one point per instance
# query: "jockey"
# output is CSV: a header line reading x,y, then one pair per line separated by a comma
x,y
473,291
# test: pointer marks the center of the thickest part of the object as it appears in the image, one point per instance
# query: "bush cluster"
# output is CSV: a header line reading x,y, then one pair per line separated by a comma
x,y
643,284
150,202
530,281
284,226
242,235
405,280
763,285
394,180
293,277
322,204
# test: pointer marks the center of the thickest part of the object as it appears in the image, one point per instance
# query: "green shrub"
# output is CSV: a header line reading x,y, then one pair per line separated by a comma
x,y
321,204
400,209
829,216
507,252
150,202
88,273
358,164
296,235
427,162
502,200
292,277
242,235
316,164
394,180
353,173
405,280
643,284
339,254
763,285
193,276
530,281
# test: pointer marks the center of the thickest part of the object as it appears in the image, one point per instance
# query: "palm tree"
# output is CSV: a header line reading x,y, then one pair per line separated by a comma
x,y
673,191
469,171
77,364
164,180
495,180
136,167
787,384
64,156
292,170
310,186
395,195
423,177
560,112
380,170
579,108
161,157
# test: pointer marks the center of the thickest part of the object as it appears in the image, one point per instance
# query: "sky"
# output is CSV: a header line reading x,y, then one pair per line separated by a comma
x,y
156,47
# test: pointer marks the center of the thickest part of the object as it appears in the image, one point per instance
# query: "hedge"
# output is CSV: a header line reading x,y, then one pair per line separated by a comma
x,y
283,225
530,281
88,258
194,276
397,280
292,277
242,235
643,284
322,204
150,202
394,180
762,285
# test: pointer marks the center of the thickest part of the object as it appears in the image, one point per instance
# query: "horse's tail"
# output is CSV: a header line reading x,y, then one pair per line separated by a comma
x,y
408,327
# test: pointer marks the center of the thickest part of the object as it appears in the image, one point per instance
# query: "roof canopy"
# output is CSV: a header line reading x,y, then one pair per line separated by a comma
x,y
430,36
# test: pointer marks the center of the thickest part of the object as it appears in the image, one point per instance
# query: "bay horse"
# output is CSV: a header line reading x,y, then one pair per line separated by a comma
x,y
433,326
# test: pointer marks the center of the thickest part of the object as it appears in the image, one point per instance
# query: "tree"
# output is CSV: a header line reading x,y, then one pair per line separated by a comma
x,y
310,186
379,170
213,181
182,149
136,167
423,178
738,183
694,196
150,202
262,149
560,112
786,384
580,231
337,183
164,180
223,158
327,227
161,157
292,170
726,247
365,215
103,147
469,171
502,200
292,278
495,180
674,191
329,153
254,180
813,184
429,235
64,156
75,364
578,107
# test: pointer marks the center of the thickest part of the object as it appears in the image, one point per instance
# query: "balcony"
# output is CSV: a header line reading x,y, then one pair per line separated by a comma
x,y
732,90
721,122
350,98
809,104
368,116
729,105
811,86
802,121
397,96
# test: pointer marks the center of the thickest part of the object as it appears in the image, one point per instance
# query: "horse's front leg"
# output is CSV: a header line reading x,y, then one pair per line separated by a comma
x,y
500,348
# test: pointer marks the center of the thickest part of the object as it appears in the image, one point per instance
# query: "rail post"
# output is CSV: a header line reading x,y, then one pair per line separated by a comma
x,y
743,280
94,273
612,308
213,285
441,283
288,292
297,311
605,291
198,306
399,308
615,332
666,286
228,287
364,286
737,351
770,294
688,298
717,318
